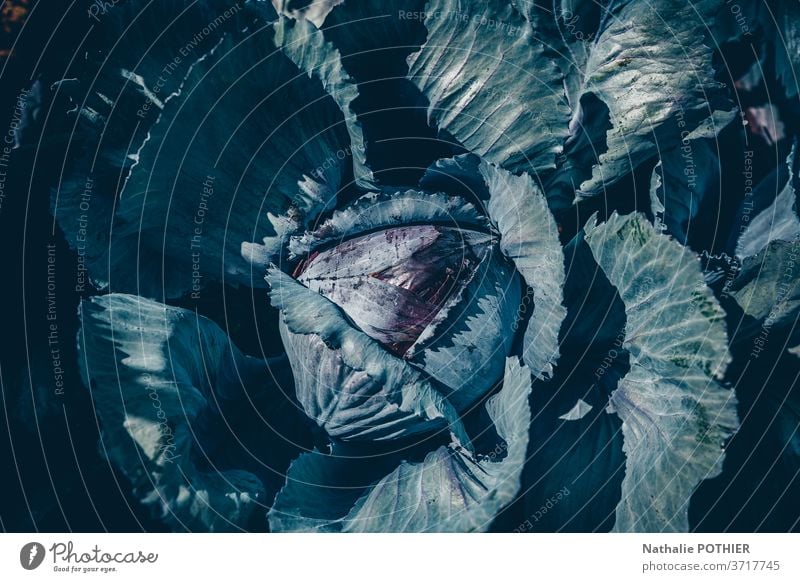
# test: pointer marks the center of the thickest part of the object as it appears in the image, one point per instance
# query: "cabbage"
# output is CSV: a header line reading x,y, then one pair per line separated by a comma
x,y
433,265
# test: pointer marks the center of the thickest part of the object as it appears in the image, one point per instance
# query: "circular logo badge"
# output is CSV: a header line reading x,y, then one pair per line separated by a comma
x,y
31,555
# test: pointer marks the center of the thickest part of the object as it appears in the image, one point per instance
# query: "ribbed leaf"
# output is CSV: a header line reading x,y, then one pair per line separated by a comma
x,y
777,221
768,289
450,490
135,62
387,209
152,371
255,147
675,415
682,179
313,10
490,85
529,237
787,45
651,65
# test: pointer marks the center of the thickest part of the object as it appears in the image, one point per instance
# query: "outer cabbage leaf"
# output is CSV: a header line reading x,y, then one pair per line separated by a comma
x,y
450,490
529,237
566,28
307,48
776,221
768,290
136,61
471,71
675,415
314,10
459,176
651,65
682,179
152,371
230,170
385,209
321,488
787,44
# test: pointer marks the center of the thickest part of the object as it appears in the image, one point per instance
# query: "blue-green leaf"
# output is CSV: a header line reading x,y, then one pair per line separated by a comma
x,y
490,85
768,289
778,221
152,371
450,490
314,11
256,145
786,39
651,65
682,179
386,209
529,237
135,63
676,417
